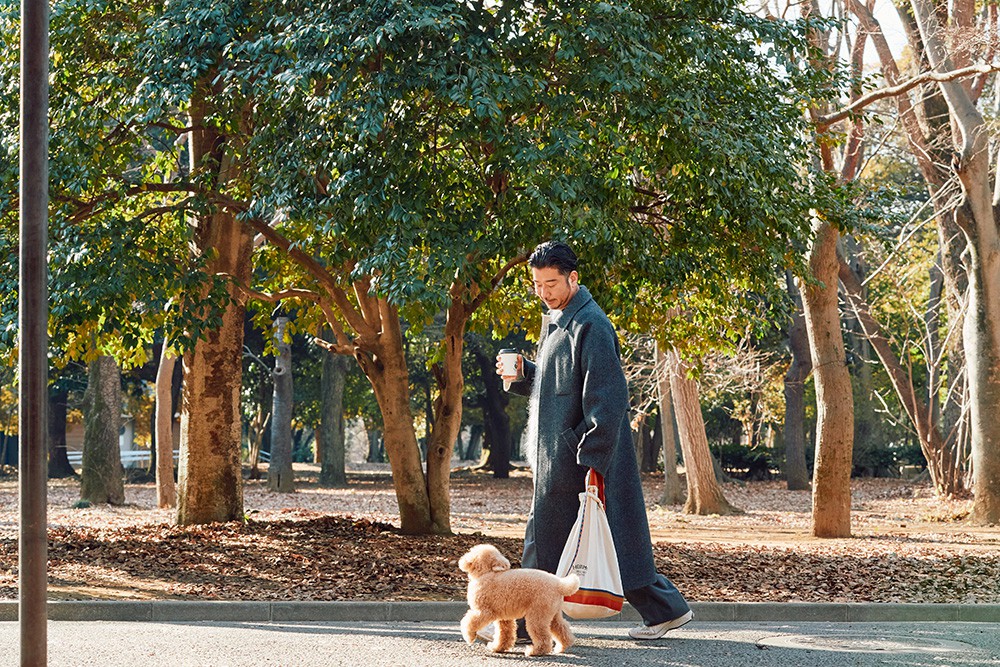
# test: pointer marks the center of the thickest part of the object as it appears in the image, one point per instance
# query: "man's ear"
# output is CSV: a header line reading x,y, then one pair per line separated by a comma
x,y
574,277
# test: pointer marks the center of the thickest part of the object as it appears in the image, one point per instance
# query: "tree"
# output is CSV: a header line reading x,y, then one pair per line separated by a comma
x,y
330,437
492,401
819,290
942,38
971,163
118,244
210,475
494,140
59,465
102,476
279,472
673,493
704,495
166,490
437,144
796,472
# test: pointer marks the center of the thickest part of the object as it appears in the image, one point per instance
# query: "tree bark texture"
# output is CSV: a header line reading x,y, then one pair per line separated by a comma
x,y
796,470
704,495
447,416
981,329
102,478
166,489
210,483
834,398
385,368
673,491
280,476
330,440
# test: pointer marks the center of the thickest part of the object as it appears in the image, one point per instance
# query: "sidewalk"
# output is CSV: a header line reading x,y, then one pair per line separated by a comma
x,y
426,634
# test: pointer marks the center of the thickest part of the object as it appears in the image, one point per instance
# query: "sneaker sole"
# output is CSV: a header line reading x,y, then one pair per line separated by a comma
x,y
673,625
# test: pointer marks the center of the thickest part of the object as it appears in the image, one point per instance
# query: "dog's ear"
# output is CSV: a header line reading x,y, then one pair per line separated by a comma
x,y
463,563
500,563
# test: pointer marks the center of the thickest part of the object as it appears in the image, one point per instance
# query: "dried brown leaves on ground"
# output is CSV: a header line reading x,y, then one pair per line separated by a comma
x,y
343,544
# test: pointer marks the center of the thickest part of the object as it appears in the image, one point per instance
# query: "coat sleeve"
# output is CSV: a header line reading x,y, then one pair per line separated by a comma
x,y
523,387
604,397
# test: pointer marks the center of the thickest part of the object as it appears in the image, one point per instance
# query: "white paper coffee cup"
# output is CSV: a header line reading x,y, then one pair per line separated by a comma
x,y
508,362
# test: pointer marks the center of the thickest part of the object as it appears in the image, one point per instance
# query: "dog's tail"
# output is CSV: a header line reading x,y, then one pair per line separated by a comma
x,y
569,584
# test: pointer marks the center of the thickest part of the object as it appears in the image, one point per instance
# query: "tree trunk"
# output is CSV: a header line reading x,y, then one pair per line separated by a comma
x,y
673,492
474,451
102,478
981,328
796,471
210,481
834,400
331,448
59,465
387,372
166,490
648,442
447,417
928,124
704,495
280,476
954,415
496,422
376,446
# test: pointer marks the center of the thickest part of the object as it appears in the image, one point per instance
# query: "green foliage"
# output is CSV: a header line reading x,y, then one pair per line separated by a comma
x,y
439,140
119,267
745,462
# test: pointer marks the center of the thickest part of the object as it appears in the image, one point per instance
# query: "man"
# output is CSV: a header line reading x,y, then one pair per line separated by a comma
x,y
578,419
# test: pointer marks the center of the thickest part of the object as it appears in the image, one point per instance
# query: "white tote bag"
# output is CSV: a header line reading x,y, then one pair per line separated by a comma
x,y
590,553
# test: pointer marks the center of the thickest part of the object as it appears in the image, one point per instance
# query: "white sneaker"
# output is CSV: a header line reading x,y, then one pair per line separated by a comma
x,y
660,629
490,631
487,634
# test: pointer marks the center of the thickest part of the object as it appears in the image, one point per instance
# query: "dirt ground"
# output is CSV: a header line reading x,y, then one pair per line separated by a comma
x,y
324,544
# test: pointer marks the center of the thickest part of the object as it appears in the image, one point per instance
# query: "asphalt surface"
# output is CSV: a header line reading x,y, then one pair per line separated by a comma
x,y
764,635
439,644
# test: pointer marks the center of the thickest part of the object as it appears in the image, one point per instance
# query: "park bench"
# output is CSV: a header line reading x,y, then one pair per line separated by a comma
x,y
130,458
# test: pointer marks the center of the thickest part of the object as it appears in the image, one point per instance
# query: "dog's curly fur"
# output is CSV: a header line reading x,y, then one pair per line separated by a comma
x,y
498,593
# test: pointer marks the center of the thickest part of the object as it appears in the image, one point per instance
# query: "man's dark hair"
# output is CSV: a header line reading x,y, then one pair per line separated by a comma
x,y
553,253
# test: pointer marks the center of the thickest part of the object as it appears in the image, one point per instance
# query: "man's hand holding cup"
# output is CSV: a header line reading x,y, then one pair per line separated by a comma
x,y
510,367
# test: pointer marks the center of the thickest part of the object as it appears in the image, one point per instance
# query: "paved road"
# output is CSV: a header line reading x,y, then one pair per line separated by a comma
x,y
439,644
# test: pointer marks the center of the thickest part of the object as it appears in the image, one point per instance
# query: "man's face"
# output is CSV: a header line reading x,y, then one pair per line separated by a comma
x,y
553,287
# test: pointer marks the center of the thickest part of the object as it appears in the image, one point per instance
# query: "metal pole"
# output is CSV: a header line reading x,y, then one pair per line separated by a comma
x,y
33,345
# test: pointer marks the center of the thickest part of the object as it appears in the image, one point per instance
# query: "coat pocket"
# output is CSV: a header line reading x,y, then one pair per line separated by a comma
x,y
569,440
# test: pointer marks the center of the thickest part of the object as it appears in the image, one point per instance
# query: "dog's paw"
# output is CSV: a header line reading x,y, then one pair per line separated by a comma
x,y
538,649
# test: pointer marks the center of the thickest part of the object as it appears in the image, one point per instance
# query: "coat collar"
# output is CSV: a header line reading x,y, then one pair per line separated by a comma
x,y
579,300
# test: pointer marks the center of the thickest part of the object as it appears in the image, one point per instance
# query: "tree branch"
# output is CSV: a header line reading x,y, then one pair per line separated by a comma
x,y
497,278
824,122
318,271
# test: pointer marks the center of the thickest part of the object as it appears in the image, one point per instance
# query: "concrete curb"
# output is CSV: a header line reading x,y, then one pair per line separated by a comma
x,y
168,611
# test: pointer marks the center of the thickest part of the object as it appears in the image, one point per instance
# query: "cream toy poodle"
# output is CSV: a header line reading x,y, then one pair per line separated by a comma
x,y
498,593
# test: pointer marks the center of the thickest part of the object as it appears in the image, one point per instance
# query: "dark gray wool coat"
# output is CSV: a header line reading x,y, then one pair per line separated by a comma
x,y
583,422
